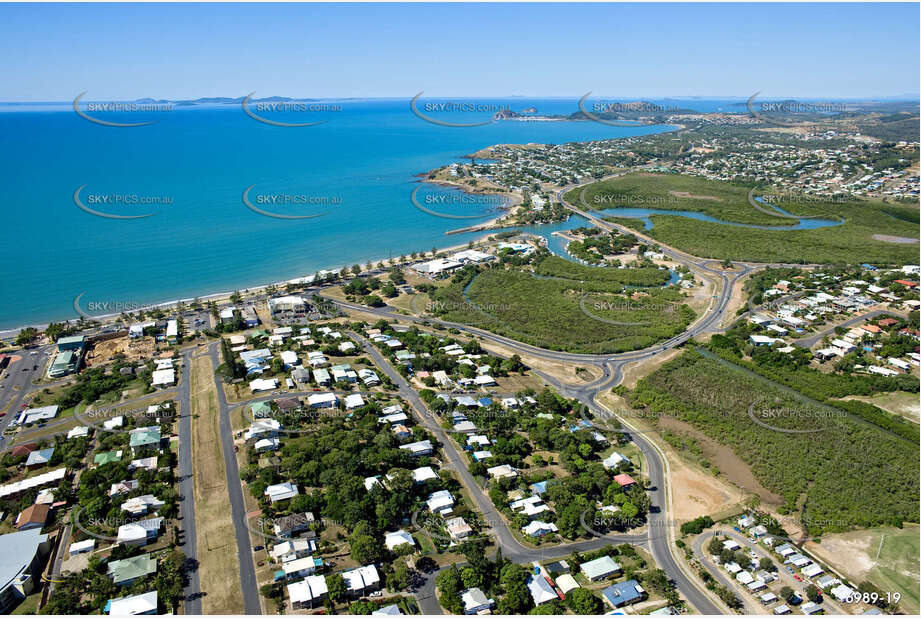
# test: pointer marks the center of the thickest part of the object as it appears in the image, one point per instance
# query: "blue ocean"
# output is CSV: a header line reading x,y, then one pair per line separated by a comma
x,y
362,164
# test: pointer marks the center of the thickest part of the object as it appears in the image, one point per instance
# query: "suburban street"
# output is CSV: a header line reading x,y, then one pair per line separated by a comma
x,y
186,479
657,539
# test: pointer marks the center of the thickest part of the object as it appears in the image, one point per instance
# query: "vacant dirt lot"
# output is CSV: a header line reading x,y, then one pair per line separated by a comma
x,y
693,490
133,350
730,465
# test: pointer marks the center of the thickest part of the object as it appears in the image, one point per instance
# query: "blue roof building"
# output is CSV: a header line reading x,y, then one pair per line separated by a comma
x,y
623,593
539,488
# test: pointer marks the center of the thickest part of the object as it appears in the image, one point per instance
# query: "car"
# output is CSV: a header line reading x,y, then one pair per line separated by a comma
x,y
377,593
798,578
789,570
236,449
259,548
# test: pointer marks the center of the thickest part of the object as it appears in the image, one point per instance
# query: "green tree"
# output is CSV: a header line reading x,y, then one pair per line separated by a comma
x,y
449,581
583,602
335,586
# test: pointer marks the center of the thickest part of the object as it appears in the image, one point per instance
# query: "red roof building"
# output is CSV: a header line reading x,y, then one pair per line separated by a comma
x,y
33,517
624,480
907,283
23,450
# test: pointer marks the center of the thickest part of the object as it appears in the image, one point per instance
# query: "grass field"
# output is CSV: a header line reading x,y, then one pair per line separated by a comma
x,y
896,569
850,242
903,404
564,313
219,568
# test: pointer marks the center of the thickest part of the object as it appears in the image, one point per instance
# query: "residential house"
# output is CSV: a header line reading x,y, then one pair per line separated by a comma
x,y
623,593
135,605
475,602
600,568
127,571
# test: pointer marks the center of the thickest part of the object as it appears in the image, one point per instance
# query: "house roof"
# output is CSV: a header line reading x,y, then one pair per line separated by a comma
x,y
35,514
144,436
16,552
107,457
540,589
600,567
132,568
623,592
37,458
145,603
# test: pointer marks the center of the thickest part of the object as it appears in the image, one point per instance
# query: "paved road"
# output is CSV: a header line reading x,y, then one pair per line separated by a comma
x,y
657,539
808,342
784,578
63,546
17,379
189,544
248,583
723,577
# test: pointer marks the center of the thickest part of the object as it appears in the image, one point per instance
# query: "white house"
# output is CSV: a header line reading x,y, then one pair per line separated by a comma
x,y
400,537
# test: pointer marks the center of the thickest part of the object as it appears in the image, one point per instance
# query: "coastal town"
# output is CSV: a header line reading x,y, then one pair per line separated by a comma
x,y
460,308
387,446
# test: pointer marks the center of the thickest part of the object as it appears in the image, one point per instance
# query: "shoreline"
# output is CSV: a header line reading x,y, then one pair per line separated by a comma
x,y
214,296
486,226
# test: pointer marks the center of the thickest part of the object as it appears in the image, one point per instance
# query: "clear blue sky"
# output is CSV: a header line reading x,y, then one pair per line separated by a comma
x,y
52,52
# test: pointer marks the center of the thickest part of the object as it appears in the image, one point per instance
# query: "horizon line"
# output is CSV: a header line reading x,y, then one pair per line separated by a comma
x,y
862,97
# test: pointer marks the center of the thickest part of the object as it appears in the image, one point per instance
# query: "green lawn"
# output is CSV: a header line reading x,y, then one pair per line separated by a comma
x,y
897,569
